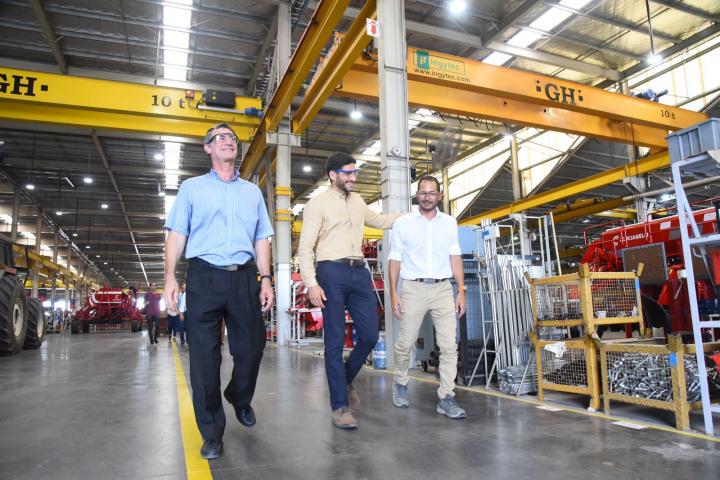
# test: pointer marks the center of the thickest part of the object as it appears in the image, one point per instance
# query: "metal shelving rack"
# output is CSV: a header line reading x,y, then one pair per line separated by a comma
x,y
696,150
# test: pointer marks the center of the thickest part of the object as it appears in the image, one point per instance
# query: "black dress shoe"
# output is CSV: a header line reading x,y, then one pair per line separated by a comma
x,y
245,415
212,448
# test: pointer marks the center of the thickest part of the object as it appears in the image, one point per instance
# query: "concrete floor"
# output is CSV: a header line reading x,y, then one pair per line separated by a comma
x,y
105,406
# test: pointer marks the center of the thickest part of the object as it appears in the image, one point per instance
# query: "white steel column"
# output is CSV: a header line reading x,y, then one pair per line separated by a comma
x,y
283,242
515,161
54,274
36,265
67,279
394,138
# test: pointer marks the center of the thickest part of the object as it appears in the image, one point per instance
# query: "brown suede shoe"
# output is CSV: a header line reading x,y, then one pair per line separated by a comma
x,y
342,418
353,398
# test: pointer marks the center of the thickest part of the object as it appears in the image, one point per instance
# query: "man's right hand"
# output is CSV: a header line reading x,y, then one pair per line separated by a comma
x,y
170,293
397,307
317,296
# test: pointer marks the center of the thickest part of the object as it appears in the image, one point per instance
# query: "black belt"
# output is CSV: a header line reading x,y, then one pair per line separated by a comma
x,y
227,268
353,262
429,280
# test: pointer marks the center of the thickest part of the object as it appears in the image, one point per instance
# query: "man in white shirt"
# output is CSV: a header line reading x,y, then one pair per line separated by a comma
x,y
425,253
182,308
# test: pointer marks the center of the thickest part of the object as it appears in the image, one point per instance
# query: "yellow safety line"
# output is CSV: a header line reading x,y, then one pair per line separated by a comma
x,y
538,403
197,467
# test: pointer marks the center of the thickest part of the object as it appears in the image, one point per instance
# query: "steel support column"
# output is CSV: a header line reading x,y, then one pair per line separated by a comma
x,y
515,162
15,215
36,265
68,277
394,137
54,273
283,242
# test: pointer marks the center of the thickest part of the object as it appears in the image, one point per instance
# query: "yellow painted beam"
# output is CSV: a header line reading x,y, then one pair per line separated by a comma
x,y
368,233
648,164
510,83
326,17
47,263
618,213
587,207
40,97
331,71
461,101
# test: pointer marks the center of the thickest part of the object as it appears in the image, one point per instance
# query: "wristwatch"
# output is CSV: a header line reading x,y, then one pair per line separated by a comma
x,y
463,288
269,277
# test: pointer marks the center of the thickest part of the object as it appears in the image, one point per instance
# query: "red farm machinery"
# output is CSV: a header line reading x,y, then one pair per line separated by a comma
x,y
108,309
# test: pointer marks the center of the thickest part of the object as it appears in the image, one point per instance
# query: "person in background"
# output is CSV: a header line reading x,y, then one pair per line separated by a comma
x,y
173,319
152,313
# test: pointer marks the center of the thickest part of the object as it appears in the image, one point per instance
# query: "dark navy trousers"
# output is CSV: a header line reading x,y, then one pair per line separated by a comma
x,y
351,288
212,295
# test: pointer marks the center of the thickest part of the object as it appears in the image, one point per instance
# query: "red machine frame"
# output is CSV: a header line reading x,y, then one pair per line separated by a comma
x,y
108,306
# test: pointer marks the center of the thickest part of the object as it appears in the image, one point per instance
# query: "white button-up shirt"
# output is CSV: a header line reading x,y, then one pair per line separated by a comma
x,y
424,246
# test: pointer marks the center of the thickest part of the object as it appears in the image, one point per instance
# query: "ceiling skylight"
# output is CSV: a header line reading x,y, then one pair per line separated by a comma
x,y
175,43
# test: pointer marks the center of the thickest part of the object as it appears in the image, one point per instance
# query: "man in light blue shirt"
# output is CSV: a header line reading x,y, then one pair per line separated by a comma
x,y
222,222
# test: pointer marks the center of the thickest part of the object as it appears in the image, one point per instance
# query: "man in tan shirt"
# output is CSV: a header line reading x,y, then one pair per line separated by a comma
x,y
331,237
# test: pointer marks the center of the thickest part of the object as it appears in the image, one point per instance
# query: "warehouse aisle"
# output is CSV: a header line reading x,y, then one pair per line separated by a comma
x,y
106,407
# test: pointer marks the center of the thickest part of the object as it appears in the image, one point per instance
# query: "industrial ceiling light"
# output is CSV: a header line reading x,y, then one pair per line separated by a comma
x,y
356,114
104,206
87,247
75,234
307,169
457,7
159,156
87,179
104,263
59,213
30,186
653,58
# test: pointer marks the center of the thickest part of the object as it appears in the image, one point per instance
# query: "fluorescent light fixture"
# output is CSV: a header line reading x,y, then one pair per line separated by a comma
x,y
69,182
97,256
74,234
104,206
457,7
424,112
356,115
87,180
497,58
104,263
654,59
87,247
158,156
30,186
58,213
307,168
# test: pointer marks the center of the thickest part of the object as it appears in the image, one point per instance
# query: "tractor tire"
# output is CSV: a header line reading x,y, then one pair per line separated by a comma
x,y
13,315
134,326
35,325
75,327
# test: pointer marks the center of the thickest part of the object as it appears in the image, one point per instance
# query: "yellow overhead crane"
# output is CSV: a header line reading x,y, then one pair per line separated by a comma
x,y
48,266
38,97
458,85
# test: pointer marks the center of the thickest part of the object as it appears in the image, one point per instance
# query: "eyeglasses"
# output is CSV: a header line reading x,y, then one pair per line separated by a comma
x,y
354,171
223,137
428,194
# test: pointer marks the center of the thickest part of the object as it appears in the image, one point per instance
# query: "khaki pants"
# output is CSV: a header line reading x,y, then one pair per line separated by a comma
x,y
417,299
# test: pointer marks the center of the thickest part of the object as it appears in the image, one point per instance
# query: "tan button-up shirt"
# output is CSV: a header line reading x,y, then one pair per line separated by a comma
x,y
333,225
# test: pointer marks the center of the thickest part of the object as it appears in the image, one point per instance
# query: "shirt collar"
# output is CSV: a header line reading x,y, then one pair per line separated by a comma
x,y
214,175
437,215
341,196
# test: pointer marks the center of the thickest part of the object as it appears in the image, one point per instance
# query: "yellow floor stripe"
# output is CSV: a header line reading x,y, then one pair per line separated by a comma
x,y
529,401
197,467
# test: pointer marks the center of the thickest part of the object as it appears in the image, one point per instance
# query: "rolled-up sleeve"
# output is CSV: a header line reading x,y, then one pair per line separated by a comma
x,y
454,243
382,221
312,221
179,218
396,244
264,226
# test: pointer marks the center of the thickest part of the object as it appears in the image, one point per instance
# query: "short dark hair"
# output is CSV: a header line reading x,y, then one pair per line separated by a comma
x,y
430,178
337,160
209,135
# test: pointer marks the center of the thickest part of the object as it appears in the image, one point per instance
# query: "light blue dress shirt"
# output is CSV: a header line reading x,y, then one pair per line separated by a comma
x,y
222,220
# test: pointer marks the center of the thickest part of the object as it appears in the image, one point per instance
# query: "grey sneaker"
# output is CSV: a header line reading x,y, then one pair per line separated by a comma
x,y
400,395
449,407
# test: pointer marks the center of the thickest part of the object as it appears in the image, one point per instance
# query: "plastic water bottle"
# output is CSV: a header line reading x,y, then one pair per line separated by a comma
x,y
379,360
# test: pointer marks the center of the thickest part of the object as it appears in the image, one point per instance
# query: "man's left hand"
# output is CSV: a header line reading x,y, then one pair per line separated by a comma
x,y
460,304
266,296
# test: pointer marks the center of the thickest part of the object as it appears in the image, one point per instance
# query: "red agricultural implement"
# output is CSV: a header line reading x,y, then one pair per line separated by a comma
x,y
656,243
105,307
